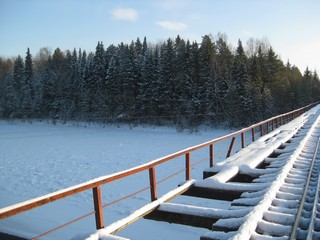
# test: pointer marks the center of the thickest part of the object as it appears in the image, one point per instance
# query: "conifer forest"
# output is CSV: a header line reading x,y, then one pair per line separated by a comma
x,y
174,82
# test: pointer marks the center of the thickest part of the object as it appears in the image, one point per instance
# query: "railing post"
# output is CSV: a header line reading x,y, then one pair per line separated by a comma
x,y
211,152
252,133
272,124
261,132
188,175
231,147
153,184
98,207
267,130
242,140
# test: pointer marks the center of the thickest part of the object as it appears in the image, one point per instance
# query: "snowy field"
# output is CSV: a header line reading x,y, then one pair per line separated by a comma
x,y
38,158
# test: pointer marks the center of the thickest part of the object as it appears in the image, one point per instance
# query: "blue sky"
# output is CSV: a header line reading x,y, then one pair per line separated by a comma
x,y
291,26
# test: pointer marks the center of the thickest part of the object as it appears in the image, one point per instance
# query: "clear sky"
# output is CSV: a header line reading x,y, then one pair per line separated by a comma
x,y
291,26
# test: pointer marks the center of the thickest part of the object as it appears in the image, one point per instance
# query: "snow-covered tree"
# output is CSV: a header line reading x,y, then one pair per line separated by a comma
x,y
167,95
239,101
176,81
27,89
223,76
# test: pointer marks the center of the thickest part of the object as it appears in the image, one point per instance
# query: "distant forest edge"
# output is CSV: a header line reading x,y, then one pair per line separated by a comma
x,y
173,82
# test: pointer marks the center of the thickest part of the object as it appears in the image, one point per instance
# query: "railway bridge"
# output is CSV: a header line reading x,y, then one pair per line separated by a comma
x,y
269,183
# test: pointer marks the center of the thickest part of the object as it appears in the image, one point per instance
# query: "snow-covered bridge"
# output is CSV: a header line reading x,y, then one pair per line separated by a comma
x,y
254,182
264,183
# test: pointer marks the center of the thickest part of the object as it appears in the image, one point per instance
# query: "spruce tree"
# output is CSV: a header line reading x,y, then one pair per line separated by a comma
x,y
207,79
195,106
27,90
276,79
239,102
156,85
18,83
113,96
96,82
223,76
7,93
75,82
181,76
86,93
139,56
146,86
167,96
294,75
127,79
28,72
315,87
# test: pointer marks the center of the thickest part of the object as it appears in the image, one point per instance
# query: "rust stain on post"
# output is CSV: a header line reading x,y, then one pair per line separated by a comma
x,y
242,140
211,152
231,147
153,184
188,175
252,133
97,200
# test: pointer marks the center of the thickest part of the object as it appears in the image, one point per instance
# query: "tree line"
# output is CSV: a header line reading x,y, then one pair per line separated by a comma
x,y
173,82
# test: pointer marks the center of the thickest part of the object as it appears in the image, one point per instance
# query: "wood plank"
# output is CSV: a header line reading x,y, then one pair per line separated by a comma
x,y
210,193
195,216
180,218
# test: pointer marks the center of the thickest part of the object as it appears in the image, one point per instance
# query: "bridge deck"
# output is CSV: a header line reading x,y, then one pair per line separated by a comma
x,y
263,162
244,179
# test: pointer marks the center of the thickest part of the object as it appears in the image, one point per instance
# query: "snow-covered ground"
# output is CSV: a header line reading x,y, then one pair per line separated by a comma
x,y
38,158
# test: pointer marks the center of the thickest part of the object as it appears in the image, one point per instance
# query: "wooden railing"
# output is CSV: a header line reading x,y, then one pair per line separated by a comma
x,y
259,129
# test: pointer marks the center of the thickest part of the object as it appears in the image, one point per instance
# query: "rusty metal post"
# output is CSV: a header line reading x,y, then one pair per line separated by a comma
x,y
188,174
267,130
272,124
242,140
261,132
153,184
252,133
231,147
97,200
211,153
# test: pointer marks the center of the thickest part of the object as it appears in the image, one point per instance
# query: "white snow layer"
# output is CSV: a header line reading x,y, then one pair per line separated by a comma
x,y
203,211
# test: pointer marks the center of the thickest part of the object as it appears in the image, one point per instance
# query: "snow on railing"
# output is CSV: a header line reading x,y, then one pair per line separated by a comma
x,y
259,129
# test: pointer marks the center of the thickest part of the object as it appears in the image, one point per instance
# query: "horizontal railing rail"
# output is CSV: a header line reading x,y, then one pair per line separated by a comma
x,y
259,129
